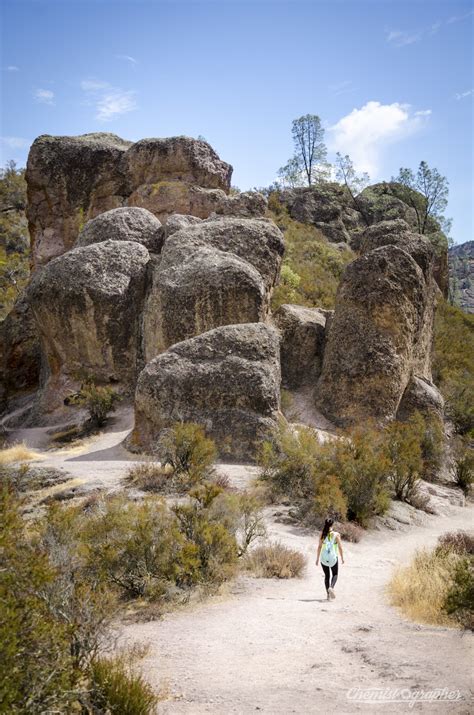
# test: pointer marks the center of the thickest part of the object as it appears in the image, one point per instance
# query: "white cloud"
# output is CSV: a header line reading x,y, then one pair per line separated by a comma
x,y
114,103
15,142
13,68
130,59
364,133
400,38
341,87
93,85
44,96
463,95
110,102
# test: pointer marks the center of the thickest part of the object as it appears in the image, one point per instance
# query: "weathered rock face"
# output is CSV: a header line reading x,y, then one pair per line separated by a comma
x,y
183,159
87,306
70,180
74,179
124,224
217,272
461,275
421,396
302,333
398,233
373,339
20,355
328,206
227,379
344,218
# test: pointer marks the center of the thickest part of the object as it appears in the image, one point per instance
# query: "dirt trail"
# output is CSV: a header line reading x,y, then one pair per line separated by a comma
x,y
278,646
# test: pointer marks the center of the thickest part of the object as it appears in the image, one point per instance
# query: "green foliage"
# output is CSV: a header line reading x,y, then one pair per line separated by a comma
x,y
38,671
427,193
406,463
214,546
99,401
308,164
116,688
464,465
312,267
453,364
14,239
136,547
347,175
187,449
459,601
275,561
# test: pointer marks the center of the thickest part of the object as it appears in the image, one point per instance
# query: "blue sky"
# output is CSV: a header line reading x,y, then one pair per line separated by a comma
x,y
391,80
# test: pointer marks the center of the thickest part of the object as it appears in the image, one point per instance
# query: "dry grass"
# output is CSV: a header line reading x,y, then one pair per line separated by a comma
x,y
275,561
18,453
150,477
420,589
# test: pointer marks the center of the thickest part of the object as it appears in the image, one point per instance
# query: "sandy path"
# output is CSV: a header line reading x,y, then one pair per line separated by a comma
x,y
280,647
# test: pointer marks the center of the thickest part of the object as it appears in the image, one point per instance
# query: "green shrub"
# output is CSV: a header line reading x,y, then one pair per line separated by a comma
x,y
348,474
312,266
187,449
150,477
137,547
275,561
459,600
116,688
464,466
404,452
360,460
99,402
38,672
459,542
214,546
453,364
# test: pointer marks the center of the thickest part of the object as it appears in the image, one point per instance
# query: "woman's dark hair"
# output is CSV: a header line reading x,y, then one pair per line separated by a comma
x,y
327,525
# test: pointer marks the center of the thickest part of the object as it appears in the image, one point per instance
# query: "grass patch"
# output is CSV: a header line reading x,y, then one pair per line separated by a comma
x,y
18,453
275,560
437,587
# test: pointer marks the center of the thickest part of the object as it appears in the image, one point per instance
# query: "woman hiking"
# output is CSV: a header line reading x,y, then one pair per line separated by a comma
x,y
328,548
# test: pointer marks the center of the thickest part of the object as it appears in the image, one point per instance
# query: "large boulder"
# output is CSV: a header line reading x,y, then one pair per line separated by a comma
x,y
190,161
87,306
398,233
20,353
74,179
166,197
217,272
384,202
302,333
328,206
124,224
227,379
373,338
421,396
71,179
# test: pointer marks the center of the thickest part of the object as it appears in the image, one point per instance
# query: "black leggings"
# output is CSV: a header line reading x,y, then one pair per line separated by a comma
x,y
327,572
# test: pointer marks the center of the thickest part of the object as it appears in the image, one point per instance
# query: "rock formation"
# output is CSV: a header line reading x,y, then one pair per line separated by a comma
x,y
302,336
461,275
87,305
216,272
344,217
421,396
20,354
124,224
73,179
374,339
227,379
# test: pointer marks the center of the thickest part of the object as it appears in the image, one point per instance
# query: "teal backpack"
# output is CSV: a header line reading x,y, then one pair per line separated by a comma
x,y
329,550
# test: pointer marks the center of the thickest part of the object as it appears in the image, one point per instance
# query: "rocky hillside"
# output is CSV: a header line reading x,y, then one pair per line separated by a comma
x,y
461,275
150,276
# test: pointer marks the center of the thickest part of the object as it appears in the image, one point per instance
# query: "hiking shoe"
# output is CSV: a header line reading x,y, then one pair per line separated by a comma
x,y
328,595
331,593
